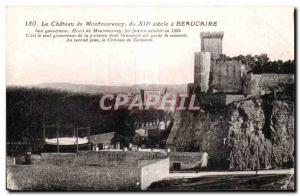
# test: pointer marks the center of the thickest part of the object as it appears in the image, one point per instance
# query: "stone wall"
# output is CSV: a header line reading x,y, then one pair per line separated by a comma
x,y
154,172
261,84
219,98
106,158
212,42
226,76
53,158
115,158
202,70
187,160
99,158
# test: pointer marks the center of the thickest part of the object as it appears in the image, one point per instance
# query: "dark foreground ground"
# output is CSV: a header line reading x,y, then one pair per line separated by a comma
x,y
95,178
233,182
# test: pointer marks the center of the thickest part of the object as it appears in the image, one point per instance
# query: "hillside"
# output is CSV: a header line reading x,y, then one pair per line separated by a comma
x,y
102,89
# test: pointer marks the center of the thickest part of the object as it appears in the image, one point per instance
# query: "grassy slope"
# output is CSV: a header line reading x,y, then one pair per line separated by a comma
x,y
68,177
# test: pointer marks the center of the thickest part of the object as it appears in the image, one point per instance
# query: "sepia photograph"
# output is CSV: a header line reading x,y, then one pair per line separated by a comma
x,y
150,99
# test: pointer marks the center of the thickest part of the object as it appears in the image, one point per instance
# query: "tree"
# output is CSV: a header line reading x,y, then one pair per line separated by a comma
x,y
259,64
260,61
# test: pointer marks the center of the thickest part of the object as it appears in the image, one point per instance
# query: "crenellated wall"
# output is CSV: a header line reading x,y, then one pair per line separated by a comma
x,y
226,76
212,42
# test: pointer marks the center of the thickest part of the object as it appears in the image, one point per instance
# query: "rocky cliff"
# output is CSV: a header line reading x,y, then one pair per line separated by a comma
x,y
257,132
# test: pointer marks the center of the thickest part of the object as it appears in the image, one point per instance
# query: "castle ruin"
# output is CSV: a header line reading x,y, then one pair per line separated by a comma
x,y
246,120
221,81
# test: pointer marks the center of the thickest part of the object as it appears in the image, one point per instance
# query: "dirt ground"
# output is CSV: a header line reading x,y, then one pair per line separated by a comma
x,y
233,182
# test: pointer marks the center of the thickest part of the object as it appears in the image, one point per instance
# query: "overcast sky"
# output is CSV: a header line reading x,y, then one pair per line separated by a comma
x,y
252,30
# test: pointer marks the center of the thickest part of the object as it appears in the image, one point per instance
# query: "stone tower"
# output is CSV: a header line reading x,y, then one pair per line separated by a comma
x,y
212,42
202,68
211,49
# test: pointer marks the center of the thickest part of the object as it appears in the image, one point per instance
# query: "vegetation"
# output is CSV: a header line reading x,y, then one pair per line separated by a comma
x,y
29,109
71,177
259,64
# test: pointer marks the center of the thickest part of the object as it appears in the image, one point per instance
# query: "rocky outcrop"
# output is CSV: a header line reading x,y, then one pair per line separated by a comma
x,y
249,134
282,133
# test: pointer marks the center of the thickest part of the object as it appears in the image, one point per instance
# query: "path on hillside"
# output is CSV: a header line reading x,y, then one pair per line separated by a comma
x,y
219,173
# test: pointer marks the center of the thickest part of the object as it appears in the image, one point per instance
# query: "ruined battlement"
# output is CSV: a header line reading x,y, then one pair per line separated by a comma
x,y
212,34
212,42
227,61
215,76
226,76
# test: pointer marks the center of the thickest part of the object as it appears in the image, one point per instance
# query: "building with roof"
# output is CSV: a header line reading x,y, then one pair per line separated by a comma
x,y
105,140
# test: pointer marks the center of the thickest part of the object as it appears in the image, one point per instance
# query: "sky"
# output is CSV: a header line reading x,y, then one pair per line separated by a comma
x,y
247,30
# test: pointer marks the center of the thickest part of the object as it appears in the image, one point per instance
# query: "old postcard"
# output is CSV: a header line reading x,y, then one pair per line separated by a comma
x,y
150,98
